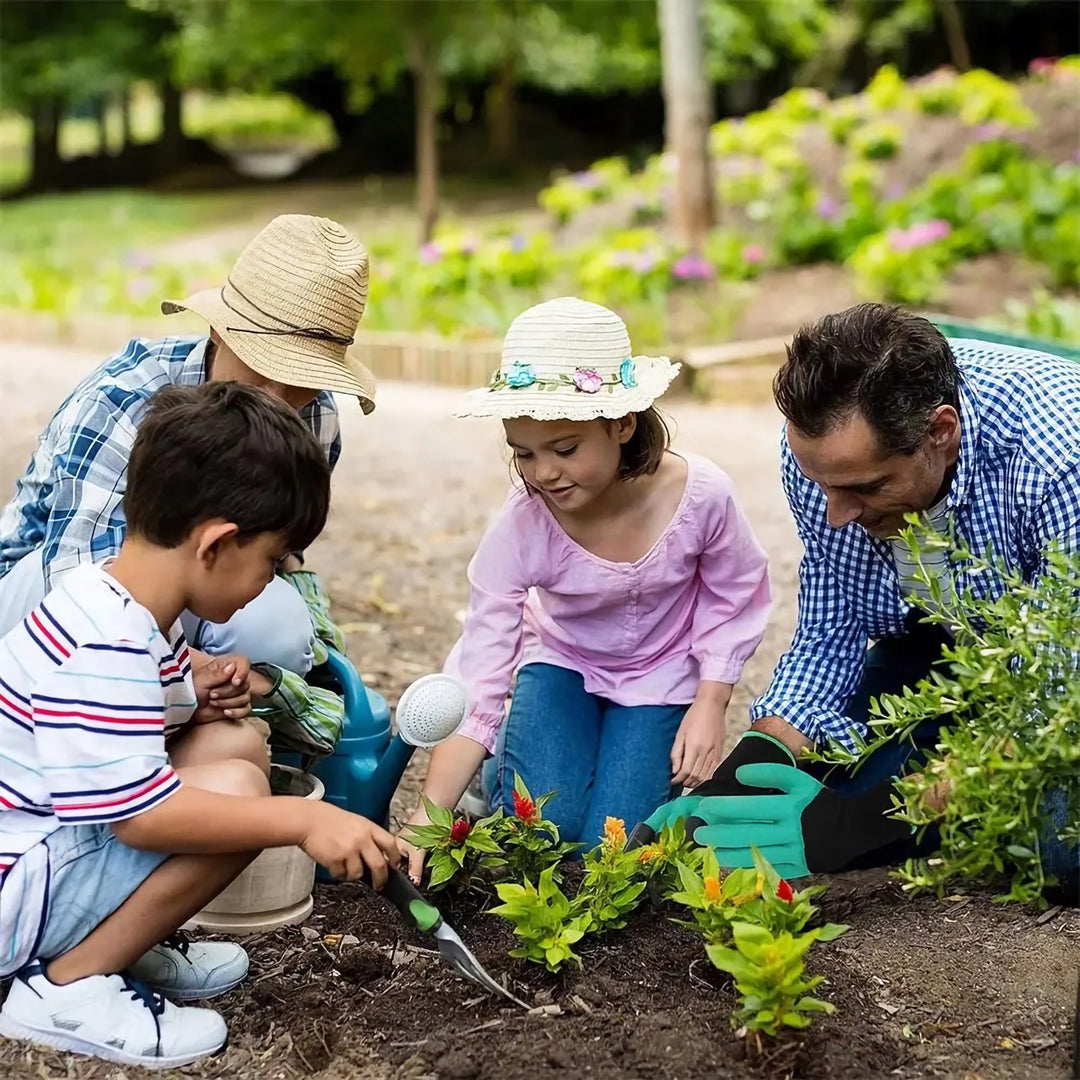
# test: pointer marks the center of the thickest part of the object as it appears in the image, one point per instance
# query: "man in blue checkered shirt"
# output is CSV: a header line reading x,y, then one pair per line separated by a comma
x,y
886,417
282,321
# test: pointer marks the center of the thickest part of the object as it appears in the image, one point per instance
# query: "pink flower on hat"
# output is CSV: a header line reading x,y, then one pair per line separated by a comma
x,y
588,380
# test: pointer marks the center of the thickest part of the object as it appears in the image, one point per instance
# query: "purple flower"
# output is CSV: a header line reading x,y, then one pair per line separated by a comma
x,y
587,180
753,254
644,262
827,208
518,242
692,267
588,380
430,253
894,191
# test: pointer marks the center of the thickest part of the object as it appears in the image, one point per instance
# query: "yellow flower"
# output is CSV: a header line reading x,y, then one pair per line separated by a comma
x,y
615,832
647,854
712,889
759,885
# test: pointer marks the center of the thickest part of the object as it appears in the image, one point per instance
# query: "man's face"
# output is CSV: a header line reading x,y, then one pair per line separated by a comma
x,y
871,488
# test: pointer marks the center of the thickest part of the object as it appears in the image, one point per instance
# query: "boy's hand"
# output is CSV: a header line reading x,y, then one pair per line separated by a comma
x,y
698,745
345,843
222,688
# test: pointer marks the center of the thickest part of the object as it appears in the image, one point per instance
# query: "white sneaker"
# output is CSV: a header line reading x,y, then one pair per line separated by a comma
x,y
192,970
113,1017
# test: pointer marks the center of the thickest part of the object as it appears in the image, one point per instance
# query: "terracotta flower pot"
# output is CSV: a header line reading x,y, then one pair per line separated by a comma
x,y
275,890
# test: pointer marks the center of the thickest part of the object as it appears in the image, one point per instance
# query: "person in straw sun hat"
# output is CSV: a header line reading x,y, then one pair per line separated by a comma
x,y
618,593
282,321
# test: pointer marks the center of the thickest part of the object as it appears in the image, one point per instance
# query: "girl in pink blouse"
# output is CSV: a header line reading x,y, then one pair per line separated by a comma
x,y
618,593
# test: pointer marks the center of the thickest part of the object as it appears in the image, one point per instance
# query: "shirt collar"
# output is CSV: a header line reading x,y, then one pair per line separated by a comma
x,y
192,370
969,443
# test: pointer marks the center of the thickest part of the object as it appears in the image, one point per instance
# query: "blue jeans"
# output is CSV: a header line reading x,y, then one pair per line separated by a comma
x,y
603,759
896,662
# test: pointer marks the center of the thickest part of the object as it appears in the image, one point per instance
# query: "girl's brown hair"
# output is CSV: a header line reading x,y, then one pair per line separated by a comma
x,y
645,449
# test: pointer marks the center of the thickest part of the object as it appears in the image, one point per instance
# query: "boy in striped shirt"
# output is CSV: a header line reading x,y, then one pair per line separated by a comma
x,y
119,818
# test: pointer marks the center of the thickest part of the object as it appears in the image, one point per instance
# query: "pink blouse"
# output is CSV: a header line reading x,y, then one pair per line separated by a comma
x,y
643,633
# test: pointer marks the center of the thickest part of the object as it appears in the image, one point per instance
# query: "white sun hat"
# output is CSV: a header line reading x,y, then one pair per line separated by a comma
x,y
290,307
567,359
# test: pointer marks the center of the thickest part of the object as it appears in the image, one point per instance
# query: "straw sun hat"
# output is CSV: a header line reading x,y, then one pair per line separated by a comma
x,y
567,359
290,307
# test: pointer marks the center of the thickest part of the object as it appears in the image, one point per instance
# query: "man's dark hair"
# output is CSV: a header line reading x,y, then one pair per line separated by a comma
x,y
224,450
890,366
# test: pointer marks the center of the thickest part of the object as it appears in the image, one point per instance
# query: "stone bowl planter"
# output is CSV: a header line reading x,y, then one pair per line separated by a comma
x,y
275,889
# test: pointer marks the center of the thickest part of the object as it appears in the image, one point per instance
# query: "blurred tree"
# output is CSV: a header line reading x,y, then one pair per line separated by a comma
x,y
61,53
687,117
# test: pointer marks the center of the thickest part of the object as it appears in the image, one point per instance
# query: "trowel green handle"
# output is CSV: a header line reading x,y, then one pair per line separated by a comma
x,y
408,899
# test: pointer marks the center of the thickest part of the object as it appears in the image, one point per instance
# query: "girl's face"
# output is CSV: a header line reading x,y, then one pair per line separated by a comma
x,y
569,462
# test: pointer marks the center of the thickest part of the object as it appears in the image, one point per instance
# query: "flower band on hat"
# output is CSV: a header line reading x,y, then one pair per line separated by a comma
x,y
567,359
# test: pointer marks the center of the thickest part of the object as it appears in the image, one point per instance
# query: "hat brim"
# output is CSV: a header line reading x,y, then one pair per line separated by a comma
x,y
654,374
290,359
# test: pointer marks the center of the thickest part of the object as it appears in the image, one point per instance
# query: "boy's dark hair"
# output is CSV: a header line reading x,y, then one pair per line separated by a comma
x,y
224,450
890,366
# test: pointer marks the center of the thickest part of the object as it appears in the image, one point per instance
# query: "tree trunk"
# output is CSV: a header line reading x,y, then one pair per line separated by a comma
x,y
101,120
427,85
123,102
171,147
953,23
45,149
687,114
501,112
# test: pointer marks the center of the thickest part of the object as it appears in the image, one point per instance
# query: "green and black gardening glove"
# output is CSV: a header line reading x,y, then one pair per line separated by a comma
x,y
755,747
805,829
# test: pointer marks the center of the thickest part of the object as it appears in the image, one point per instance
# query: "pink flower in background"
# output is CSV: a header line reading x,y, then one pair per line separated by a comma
x,y
139,288
588,380
469,245
919,235
141,260
587,180
622,258
430,253
988,132
753,254
827,208
644,262
1042,65
692,267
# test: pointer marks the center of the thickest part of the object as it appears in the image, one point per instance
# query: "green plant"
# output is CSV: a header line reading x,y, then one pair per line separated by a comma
x,y
938,94
887,91
905,265
458,849
530,843
569,195
608,892
659,861
769,972
878,140
1009,750
986,97
545,921
1053,318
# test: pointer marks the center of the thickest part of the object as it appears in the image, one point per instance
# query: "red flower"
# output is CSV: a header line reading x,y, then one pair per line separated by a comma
x,y
459,831
784,892
525,809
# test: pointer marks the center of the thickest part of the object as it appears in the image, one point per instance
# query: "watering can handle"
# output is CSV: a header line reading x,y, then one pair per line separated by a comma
x,y
352,686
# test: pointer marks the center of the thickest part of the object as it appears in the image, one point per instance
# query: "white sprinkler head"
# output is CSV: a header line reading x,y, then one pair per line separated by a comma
x,y
431,710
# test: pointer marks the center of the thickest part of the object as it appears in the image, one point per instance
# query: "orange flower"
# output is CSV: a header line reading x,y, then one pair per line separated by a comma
x,y
712,889
647,854
615,832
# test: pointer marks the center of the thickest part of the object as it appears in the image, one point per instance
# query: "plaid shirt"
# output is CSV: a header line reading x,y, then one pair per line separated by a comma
x,y
1016,488
69,500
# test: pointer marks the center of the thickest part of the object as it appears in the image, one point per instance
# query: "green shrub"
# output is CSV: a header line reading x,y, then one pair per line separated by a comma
x,y
879,140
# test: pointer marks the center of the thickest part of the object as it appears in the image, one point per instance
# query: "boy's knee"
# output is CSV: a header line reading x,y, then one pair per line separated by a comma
x,y
249,743
233,777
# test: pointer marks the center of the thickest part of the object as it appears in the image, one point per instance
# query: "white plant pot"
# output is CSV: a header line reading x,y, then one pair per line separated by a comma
x,y
275,889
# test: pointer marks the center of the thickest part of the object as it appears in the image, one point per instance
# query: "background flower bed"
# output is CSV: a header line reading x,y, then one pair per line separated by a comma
x,y
957,193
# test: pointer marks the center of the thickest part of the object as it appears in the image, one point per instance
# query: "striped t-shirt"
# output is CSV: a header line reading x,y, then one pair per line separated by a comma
x,y
89,688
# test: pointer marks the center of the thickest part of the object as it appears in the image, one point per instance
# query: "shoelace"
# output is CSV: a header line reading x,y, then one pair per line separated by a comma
x,y
151,999
178,941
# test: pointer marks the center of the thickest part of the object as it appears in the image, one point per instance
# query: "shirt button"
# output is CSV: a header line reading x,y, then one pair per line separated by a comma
x,y
634,594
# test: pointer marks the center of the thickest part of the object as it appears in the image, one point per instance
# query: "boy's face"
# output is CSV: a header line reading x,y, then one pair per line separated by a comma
x,y
232,572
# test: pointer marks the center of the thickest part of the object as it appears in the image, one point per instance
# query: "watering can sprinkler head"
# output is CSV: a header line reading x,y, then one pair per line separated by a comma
x,y
430,710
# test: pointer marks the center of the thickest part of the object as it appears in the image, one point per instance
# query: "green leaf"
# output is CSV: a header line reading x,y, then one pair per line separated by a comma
x,y
831,931
793,1019
439,815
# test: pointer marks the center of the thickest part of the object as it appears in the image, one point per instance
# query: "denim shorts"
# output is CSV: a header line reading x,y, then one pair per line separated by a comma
x,y
91,874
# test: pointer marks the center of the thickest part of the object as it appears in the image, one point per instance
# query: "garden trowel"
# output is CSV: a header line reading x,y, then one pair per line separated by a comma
x,y
425,917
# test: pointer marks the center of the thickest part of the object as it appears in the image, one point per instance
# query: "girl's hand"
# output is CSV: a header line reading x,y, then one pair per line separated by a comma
x,y
698,745
415,855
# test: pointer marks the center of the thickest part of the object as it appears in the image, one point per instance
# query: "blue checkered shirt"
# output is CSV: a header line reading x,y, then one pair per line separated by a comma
x,y
1016,488
68,501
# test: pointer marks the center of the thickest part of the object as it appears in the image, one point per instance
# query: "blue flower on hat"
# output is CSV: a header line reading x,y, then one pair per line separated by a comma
x,y
626,373
520,375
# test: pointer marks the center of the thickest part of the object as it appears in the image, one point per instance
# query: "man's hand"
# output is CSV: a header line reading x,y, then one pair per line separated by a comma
x,y
222,687
347,843
698,744
806,828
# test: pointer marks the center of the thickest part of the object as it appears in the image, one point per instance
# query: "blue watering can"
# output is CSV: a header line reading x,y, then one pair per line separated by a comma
x,y
368,762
